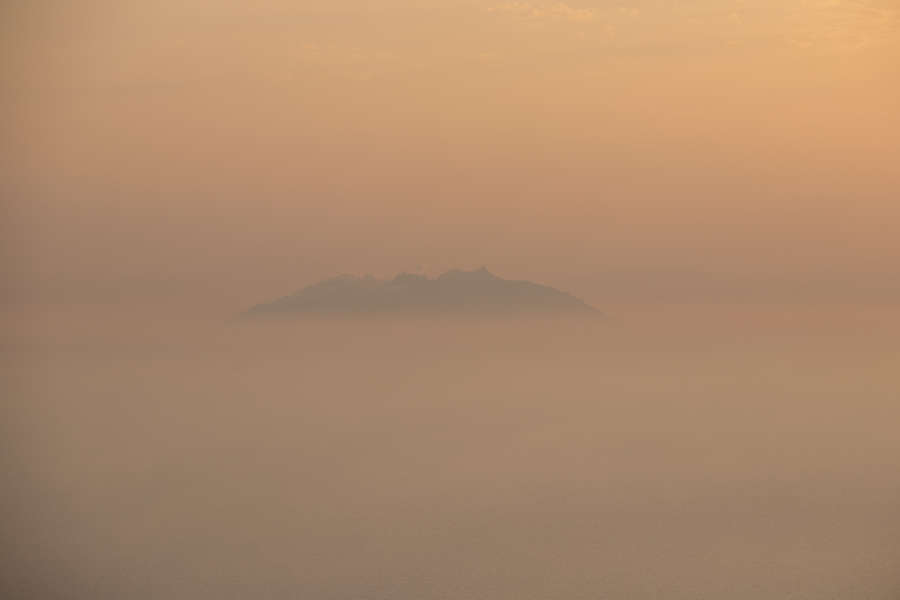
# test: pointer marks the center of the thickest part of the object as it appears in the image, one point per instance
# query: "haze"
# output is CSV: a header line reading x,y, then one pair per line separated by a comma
x,y
224,147
718,178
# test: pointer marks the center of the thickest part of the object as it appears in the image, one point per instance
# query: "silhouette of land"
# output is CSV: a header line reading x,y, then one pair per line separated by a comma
x,y
466,292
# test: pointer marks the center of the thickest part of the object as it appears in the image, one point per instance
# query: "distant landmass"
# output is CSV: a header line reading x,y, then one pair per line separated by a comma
x,y
464,292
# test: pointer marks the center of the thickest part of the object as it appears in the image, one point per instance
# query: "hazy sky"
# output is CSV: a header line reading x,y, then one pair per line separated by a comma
x,y
217,148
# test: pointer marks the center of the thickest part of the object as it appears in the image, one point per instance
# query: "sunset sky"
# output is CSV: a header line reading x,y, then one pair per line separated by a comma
x,y
720,179
639,149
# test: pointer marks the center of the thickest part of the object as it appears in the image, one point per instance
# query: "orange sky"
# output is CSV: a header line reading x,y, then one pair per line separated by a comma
x,y
246,148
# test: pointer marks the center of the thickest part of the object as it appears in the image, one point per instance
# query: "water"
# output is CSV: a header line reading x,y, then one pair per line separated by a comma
x,y
680,453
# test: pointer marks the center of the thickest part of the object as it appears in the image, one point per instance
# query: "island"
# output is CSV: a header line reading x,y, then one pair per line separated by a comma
x,y
454,292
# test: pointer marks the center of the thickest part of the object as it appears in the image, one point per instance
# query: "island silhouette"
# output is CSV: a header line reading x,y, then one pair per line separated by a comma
x,y
454,292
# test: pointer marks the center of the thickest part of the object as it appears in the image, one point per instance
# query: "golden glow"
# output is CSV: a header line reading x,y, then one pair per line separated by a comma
x,y
735,137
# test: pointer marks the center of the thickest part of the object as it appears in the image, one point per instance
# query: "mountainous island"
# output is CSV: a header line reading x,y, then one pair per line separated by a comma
x,y
454,292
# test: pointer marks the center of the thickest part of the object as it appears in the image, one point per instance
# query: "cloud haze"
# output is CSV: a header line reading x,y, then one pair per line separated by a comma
x,y
718,177
228,146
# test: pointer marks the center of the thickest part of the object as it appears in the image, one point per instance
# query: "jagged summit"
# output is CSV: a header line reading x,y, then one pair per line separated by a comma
x,y
456,291
408,278
481,274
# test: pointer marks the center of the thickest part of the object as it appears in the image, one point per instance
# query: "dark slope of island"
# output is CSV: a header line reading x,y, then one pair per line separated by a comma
x,y
454,292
